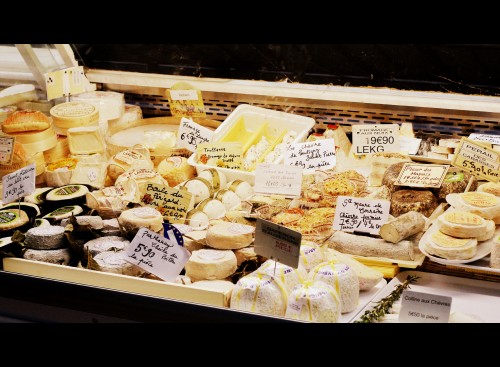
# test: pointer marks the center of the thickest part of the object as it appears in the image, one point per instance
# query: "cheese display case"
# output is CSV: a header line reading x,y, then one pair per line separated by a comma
x,y
124,209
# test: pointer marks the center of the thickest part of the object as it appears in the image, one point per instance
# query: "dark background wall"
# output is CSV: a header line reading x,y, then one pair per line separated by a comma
x,y
458,68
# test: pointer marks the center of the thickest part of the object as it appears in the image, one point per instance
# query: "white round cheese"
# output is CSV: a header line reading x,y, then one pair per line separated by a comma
x,y
230,200
111,105
462,224
213,208
229,236
241,188
200,188
483,204
311,255
197,219
208,264
216,178
289,276
451,248
132,220
114,262
176,170
60,256
107,243
45,238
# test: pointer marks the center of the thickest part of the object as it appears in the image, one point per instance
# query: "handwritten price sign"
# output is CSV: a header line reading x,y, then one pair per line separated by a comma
x,y
313,155
480,161
191,134
18,184
360,215
278,179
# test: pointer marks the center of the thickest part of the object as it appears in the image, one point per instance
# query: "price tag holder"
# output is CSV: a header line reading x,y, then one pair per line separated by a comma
x,y
417,307
191,134
228,155
185,100
157,254
277,242
7,149
493,139
278,179
172,203
360,215
370,139
312,156
65,82
18,184
409,145
422,175
478,160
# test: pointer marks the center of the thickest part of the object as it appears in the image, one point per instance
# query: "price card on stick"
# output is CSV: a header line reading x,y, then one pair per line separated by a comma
x,y
277,242
493,139
369,139
311,156
473,157
185,100
157,254
278,179
191,134
418,307
360,215
422,175
18,184
7,149
228,155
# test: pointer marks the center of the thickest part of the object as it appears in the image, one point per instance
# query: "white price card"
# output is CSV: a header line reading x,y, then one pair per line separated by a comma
x,y
184,95
422,175
493,139
278,179
417,307
163,256
360,215
277,242
191,134
312,156
18,184
409,145
370,139
7,149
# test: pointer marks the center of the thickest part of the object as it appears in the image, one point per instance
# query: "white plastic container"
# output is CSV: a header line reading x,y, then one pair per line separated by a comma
x,y
253,118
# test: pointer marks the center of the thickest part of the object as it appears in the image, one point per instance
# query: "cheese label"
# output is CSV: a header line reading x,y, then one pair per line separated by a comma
x,y
277,243
191,134
63,210
493,139
483,200
140,173
185,101
7,149
278,179
172,203
18,184
113,191
422,175
418,307
55,85
444,240
128,156
360,215
455,176
370,139
312,156
463,218
157,254
473,157
227,155
7,217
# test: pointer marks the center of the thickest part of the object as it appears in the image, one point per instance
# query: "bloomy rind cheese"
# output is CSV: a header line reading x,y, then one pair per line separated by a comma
x,y
132,220
58,256
229,236
208,264
451,248
114,262
463,224
45,238
290,277
483,204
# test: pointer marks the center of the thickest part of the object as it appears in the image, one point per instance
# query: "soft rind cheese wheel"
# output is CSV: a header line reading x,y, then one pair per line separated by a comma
x,y
64,212
451,248
197,219
216,178
230,200
106,243
176,170
213,208
341,278
260,293
208,264
462,224
114,262
483,204
12,218
133,158
289,276
60,256
241,188
229,236
143,177
67,193
314,302
311,255
200,188
245,254
45,238
132,220
490,187
404,201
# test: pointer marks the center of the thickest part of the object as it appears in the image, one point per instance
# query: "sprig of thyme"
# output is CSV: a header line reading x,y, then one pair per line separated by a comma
x,y
384,305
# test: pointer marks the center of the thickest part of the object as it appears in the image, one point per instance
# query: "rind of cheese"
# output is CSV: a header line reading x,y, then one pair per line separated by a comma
x,y
314,302
216,178
260,293
289,276
495,254
106,243
311,255
230,236
483,204
241,188
209,264
114,262
132,220
463,224
447,247
176,170
490,187
45,238
58,256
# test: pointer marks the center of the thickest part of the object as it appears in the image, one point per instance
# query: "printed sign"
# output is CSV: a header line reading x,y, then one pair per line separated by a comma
x,y
65,82
18,184
311,156
278,179
173,204
7,149
409,145
191,134
277,242
157,254
360,215
185,101
228,155
478,160
369,139
422,175
493,139
417,307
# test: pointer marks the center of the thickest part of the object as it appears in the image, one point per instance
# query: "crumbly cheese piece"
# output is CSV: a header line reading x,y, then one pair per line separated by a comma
x,y
114,262
314,302
343,279
451,248
60,256
289,276
45,238
483,204
311,255
230,236
208,264
260,293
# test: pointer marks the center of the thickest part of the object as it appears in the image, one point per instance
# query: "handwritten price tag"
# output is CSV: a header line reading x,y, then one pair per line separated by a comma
x,y
18,184
422,175
226,155
478,160
311,156
277,242
191,134
6,149
493,139
417,307
161,256
360,215
173,204
369,139
278,179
